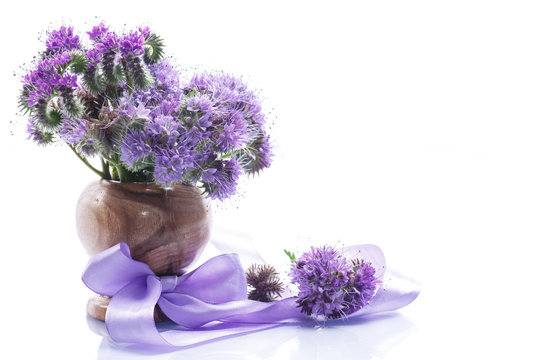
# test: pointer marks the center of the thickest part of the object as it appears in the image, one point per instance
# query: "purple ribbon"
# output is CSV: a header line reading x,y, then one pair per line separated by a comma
x,y
209,302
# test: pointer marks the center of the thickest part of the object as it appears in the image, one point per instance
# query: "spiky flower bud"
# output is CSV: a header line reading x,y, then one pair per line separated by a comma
x,y
264,283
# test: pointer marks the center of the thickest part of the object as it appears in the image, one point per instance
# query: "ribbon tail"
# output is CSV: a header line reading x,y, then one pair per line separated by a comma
x,y
130,315
192,313
397,291
281,311
190,337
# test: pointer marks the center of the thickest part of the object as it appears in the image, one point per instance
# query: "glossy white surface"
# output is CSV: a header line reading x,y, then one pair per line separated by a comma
x,y
410,124
363,339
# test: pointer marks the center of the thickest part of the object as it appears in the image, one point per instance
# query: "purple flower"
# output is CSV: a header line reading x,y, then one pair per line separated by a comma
x,y
61,40
171,164
233,134
68,80
166,108
98,32
221,183
166,76
115,99
144,31
109,41
165,94
199,103
362,287
208,175
264,150
73,131
42,81
34,134
93,57
134,147
139,112
132,44
331,287
260,157
164,125
88,147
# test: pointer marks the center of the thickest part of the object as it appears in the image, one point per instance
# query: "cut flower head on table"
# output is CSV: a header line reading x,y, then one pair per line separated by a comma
x,y
116,97
329,285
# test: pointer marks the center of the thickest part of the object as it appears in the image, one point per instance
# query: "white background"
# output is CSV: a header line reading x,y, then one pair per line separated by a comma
x,y
410,124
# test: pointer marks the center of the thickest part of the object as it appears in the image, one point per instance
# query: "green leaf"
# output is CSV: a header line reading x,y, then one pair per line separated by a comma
x,y
78,63
119,73
93,81
48,137
23,103
73,107
50,119
153,48
291,255
108,65
139,73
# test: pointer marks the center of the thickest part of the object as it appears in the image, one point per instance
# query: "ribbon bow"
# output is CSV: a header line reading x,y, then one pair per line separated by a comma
x,y
216,291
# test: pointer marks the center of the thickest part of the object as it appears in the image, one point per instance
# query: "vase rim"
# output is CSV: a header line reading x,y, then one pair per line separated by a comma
x,y
148,186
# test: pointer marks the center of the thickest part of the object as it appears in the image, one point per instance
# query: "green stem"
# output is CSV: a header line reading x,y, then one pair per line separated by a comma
x,y
123,174
114,173
106,171
86,162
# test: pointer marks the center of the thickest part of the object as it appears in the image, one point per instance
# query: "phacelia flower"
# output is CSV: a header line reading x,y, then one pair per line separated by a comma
x,y
264,283
165,74
61,40
134,147
171,163
98,32
261,157
363,286
221,183
133,43
45,79
73,131
37,135
200,103
88,147
139,112
234,134
111,97
331,287
165,125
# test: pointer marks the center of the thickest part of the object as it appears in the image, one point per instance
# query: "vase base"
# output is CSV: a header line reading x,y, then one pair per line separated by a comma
x,y
97,308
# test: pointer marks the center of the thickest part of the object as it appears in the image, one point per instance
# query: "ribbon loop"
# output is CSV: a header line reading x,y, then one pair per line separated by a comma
x,y
110,270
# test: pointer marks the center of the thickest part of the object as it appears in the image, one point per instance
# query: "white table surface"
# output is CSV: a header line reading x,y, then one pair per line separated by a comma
x,y
413,125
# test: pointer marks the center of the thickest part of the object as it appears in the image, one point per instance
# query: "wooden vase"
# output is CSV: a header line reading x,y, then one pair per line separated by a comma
x,y
166,229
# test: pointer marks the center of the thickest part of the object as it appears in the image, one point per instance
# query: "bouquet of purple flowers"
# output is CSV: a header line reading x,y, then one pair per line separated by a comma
x,y
119,99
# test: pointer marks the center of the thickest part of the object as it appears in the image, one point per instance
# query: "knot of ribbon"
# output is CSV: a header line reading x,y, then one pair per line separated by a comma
x,y
214,292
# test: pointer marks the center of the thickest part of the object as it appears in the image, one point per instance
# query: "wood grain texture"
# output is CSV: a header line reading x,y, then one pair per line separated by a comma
x,y
97,308
167,229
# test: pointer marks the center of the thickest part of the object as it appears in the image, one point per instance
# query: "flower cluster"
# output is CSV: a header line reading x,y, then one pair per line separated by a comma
x,y
330,286
122,100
